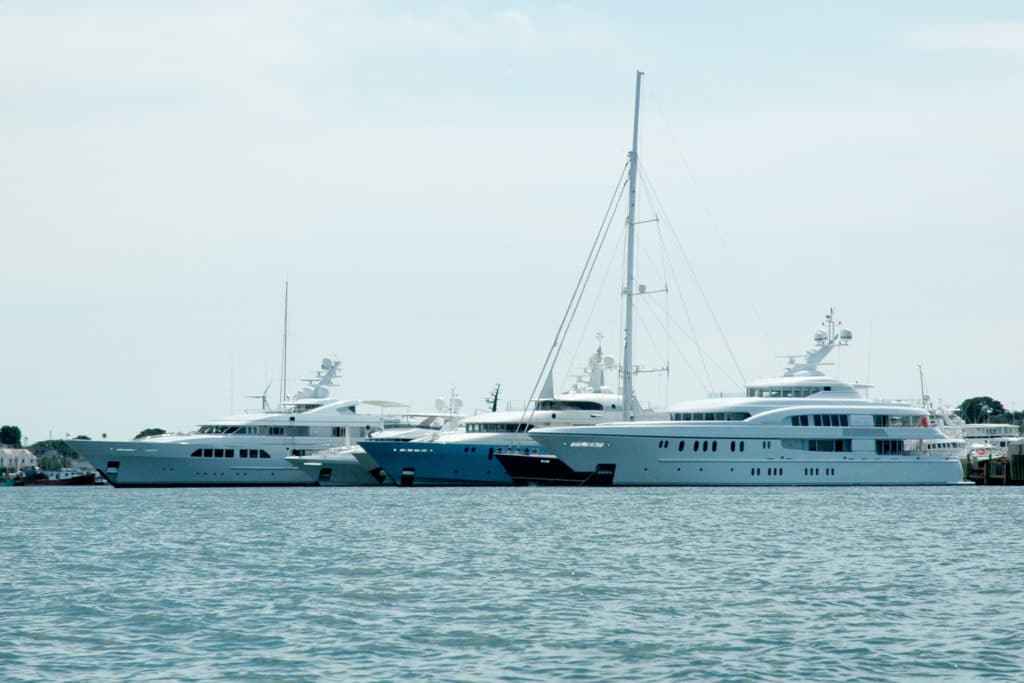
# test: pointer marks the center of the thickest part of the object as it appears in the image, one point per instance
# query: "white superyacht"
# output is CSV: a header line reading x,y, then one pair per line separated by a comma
x,y
802,429
241,450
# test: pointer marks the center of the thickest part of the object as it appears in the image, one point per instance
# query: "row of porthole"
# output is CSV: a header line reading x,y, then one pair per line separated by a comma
x,y
815,471
229,453
772,471
703,445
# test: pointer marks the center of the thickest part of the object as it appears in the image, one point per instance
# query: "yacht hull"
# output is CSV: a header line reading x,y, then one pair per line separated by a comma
x,y
426,463
142,464
540,470
339,469
630,461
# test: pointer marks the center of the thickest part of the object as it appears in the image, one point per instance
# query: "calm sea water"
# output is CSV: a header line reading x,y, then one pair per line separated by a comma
x,y
511,584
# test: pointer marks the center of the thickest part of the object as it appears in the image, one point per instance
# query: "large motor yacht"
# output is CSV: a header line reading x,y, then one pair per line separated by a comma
x,y
468,456
802,429
241,450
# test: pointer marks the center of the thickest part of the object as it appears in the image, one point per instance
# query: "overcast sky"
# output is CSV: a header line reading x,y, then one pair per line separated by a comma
x,y
429,180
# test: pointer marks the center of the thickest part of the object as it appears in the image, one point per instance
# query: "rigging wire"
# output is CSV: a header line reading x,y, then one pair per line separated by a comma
x,y
706,207
597,298
656,201
574,300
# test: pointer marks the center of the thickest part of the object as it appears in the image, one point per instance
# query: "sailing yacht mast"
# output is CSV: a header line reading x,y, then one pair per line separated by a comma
x,y
627,353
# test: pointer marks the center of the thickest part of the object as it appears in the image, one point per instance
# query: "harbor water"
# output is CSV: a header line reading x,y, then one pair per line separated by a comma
x,y
851,584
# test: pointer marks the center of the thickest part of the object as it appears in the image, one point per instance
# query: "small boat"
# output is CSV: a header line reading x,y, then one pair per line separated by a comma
x,y
64,477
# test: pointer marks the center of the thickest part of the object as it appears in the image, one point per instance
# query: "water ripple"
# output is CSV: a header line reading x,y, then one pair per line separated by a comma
x,y
511,584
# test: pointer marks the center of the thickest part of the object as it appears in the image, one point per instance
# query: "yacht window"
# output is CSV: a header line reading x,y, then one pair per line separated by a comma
x,y
207,452
889,447
714,445
741,446
826,445
264,454
218,452
696,445
569,405
198,453
229,453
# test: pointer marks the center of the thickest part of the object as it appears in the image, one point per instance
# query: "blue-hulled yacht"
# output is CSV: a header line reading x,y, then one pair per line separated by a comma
x,y
469,456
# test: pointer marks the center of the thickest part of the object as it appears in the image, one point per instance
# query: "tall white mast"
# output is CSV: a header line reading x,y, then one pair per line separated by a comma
x,y
284,350
627,353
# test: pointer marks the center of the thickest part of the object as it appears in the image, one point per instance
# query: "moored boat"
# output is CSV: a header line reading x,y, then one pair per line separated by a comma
x,y
240,450
802,429
63,477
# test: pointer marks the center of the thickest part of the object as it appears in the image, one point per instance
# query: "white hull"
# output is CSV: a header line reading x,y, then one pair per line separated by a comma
x,y
344,468
147,463
632,461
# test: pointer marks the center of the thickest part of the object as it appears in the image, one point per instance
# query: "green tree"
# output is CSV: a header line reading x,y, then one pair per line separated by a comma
x,y
982,409
55,446
10,436
152,431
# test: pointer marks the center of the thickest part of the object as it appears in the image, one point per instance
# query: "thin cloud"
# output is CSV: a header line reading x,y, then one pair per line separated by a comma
x,y
994,36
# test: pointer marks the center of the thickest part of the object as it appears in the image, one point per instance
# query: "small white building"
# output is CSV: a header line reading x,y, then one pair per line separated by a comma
x,y
13,459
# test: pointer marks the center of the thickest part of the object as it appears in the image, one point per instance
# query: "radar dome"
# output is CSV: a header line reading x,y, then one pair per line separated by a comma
x,y
845,335
820,336
609,362
326,364
439,404
321,392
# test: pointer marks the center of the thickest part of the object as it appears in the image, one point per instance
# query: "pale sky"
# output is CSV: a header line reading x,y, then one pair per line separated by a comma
x,y
429,180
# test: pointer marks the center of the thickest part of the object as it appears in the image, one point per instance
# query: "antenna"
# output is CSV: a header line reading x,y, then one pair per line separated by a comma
x,y
284,349
492,398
